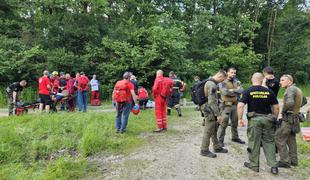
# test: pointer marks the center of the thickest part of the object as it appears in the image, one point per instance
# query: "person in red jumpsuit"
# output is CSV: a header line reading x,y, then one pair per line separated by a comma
x,y
160,103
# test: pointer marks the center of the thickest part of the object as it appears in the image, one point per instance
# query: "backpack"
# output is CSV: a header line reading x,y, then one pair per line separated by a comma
x,y
166,87
197,92
120,91
83,82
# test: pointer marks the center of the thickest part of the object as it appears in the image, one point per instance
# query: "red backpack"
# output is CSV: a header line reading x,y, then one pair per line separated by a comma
x,y
166,87
121,91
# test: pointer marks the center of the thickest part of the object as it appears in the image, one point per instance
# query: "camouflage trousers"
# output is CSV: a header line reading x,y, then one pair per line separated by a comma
x,y
210,130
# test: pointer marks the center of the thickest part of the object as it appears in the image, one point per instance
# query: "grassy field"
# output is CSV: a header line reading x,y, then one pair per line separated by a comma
x,y
55,146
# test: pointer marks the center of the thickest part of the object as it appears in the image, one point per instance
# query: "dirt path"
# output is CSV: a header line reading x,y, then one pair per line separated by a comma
x,y
175,155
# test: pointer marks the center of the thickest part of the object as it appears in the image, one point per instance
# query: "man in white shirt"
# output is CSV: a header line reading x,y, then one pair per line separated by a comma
x,y
94,89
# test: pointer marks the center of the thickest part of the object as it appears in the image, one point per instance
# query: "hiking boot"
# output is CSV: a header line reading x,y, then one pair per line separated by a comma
x,y
168,112
117,131
294,164
164,129
221,150
274,170
238,141
282,164
203,122
158,130
248,165
207,153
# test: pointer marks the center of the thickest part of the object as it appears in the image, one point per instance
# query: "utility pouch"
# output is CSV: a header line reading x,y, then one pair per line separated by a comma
x,y
301,117
295,124
250,115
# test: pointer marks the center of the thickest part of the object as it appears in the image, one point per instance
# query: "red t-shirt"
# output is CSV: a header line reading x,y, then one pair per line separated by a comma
x,y
131,87
43,82
83,83
142,93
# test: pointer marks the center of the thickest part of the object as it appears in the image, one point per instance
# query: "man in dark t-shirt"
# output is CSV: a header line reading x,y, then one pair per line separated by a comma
x,y
270,81
12,91
263,109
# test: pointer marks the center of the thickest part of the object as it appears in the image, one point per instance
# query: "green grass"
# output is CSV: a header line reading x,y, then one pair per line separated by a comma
x,y
56,146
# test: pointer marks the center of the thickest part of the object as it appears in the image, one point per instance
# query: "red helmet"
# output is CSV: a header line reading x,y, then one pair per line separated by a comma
x,y
135,110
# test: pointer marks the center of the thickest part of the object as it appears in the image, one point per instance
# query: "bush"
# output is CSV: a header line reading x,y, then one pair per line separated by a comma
x,y
301,77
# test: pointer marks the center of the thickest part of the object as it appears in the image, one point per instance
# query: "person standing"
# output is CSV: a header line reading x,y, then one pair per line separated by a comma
x,y
13,92
263,110
75,96
174,100
94,84
160,92
270,81
230,90
70,88
123,93
212,115
286,134
45,89
82,83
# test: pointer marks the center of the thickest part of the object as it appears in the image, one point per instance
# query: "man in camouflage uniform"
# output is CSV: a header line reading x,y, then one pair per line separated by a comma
x,y
286,134
263,110
230,90
212,116
174,100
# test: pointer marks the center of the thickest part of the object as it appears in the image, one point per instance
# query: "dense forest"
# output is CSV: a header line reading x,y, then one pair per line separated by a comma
x,y
190,37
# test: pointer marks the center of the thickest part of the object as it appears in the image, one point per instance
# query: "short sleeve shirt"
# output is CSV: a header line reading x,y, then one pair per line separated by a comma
x,y
130,87
259,99
43,82
94,85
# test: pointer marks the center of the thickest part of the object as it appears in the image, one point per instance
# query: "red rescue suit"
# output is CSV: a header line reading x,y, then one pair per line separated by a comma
x,y
160,103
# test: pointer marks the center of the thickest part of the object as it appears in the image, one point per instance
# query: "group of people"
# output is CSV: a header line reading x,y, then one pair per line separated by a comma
x,y
56,87
223,99
226,100
166,91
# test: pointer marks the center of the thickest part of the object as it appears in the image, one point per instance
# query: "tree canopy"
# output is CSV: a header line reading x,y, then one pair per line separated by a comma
x,y
190,37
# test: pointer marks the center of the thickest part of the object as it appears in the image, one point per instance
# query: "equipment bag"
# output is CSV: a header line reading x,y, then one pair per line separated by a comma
x,y
197,92
166,87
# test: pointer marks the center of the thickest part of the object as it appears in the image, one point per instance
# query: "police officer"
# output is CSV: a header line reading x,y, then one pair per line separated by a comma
x,y
12,92
212,116
270,81
263,110
174,100
286,134
230,90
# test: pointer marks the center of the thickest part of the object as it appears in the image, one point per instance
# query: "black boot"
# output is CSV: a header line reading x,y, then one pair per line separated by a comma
x,y
168,112
220,150
207,153
274,170
238,141
282,164
248,165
